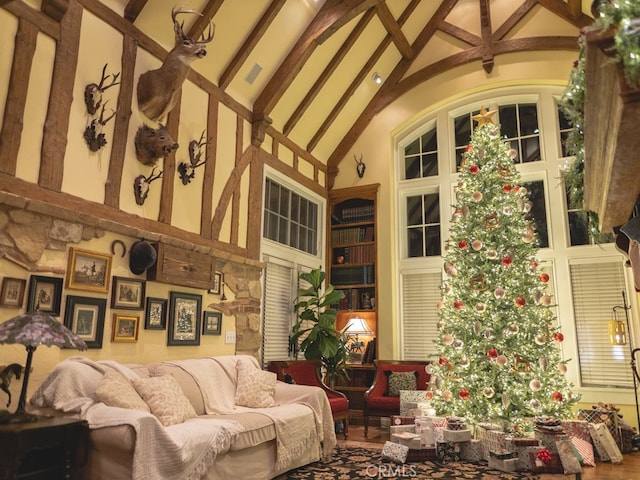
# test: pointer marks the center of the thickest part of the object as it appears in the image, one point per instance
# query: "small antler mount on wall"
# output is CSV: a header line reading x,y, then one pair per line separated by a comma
x,y
93,100
196,148
360,166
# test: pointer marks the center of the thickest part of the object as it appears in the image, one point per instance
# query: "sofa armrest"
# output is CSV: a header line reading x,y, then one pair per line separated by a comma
x,y
292,393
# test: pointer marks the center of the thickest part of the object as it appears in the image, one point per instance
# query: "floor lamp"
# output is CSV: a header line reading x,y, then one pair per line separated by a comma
x,y
635,374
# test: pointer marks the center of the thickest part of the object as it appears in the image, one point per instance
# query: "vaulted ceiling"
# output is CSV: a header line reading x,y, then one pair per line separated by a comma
x,y
309,65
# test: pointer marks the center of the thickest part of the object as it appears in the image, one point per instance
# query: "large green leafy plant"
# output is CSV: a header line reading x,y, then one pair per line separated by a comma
x,y
315,329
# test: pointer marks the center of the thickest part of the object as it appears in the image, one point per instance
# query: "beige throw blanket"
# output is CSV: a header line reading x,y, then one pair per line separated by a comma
x,y
216,377
183,451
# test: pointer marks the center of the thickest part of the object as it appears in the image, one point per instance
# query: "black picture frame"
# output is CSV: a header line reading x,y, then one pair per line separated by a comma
x,y
185,319
212,323
84,316
127,293
45,294
156,314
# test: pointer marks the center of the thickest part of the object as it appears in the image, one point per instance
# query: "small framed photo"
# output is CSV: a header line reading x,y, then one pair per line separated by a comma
x,y
185,315
156,314
217,282
12,294
127,293
84,316
88,271
212,323
45,294
125,328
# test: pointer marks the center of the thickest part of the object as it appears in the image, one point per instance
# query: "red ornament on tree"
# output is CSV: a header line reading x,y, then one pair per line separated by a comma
x,y
556,396
464,394
458,304
558,337
506,188
442,361
474,169
507,260
544,278
469,147
463,244
520,302
492,353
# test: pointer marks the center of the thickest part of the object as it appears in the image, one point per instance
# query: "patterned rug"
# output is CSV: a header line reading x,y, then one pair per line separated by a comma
x,y
355,461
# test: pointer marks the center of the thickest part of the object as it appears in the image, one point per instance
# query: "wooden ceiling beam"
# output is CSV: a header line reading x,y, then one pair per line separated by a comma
x,y
515,18
460,34
328,71
250,43
561,8
486,32
133,9
203,21
574,8
331,16
392,27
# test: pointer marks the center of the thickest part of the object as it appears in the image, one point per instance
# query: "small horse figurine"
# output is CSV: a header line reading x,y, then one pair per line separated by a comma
x,y
13,369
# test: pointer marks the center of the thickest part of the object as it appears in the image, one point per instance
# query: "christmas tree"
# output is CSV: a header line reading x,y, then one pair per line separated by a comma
x,y
499,358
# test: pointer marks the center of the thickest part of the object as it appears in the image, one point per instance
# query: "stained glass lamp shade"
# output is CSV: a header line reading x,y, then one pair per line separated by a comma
x,y
32,329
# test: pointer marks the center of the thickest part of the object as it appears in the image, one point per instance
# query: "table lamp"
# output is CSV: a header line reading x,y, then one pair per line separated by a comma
x,y
32,329
355,327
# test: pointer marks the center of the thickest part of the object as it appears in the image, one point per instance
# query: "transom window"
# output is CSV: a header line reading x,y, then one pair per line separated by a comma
x,y
289,218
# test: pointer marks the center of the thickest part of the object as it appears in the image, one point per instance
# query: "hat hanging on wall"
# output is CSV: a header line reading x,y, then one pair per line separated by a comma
x,y
141,257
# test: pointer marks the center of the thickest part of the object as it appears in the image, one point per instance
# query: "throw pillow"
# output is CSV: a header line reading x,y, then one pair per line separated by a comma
x,y
165,398
256,388
401,381
116,391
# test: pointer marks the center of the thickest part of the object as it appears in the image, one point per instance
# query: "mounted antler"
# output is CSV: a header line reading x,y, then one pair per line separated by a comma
x,y
187,170
360,166
141,185
93,92
93,133
158,90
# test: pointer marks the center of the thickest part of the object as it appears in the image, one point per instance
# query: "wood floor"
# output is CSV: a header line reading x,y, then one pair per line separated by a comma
x,y
629,469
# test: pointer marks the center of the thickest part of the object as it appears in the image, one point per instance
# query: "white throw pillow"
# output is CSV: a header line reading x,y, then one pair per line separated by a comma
x,y
116,391
256,388
165,398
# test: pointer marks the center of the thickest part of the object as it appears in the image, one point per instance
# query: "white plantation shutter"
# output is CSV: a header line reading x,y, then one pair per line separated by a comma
x,y
277,312
597,288
420,295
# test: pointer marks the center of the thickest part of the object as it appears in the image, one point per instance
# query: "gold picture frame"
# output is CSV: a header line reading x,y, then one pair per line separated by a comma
x,y
125,328
89,271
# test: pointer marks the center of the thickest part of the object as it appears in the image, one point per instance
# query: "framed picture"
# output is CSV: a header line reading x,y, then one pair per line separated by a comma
x,y
12,294
88,271
127,293
185,310
125,328
156,314
217,281
84,316
212,323
45,294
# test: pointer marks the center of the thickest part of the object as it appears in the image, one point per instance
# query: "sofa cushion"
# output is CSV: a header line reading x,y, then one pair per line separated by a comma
x,y
256,388
257,428
165,399
401,381
187,383
116,391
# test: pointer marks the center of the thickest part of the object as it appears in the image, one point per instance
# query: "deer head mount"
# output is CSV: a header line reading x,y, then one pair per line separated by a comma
x,y
360,166
158,89
93,133
188,170
141,185
93,92
153,143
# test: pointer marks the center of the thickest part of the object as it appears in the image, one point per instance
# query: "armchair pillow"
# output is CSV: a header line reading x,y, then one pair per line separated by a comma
x,y
256,388
116,391
401,381
165,398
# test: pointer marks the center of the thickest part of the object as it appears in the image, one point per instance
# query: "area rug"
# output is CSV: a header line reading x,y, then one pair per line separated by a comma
x,y
355,461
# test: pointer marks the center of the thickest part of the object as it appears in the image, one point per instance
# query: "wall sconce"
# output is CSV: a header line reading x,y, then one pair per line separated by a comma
x,y
376,78
617,330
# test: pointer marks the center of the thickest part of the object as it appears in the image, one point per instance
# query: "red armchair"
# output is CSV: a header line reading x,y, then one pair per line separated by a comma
x,y
307,372
377,401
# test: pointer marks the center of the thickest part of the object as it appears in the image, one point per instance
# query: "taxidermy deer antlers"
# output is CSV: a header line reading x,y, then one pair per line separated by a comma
x,y
360,166
93,133
93,92
188,170
158,90
141,185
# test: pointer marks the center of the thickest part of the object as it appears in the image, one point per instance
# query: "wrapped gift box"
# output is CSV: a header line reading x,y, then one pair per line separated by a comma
x,y
553,466
504,464
411,440
471,451
447,452
456,435
503,454
395,452
525,457
402,428
548,440
422,454
578,432
411,399
568,458
494,440
403,420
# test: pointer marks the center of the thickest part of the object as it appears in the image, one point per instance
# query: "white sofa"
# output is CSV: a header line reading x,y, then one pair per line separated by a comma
x,y
207,418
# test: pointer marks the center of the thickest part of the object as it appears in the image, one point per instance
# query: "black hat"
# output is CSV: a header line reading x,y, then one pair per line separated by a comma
x,y
141,257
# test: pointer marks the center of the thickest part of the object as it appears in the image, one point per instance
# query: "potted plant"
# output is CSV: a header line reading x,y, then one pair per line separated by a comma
x,y
315,328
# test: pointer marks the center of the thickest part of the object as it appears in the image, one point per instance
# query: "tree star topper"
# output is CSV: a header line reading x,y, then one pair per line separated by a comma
x,y
484,117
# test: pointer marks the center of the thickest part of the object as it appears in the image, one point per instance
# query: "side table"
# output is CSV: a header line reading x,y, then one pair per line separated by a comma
x,y
51,448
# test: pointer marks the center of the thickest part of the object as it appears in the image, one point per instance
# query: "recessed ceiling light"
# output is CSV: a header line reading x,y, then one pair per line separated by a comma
x,y
376,78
